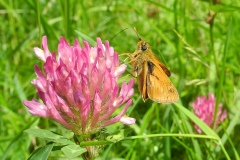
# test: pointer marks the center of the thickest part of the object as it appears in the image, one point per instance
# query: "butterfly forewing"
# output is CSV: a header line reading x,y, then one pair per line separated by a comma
x,y
159,86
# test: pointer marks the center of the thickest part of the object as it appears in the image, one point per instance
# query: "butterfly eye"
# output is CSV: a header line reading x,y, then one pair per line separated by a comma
x,y
144,48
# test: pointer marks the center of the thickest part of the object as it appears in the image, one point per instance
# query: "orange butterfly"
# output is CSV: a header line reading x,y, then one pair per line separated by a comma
x,y
152,74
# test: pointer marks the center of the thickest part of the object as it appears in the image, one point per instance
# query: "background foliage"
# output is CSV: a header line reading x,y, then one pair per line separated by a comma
x,y
203,57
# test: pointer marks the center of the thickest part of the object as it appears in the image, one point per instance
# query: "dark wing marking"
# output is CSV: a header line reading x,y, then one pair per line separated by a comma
x,y
164,68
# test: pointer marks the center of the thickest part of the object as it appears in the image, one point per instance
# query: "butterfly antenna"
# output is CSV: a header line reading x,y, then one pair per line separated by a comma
x,y
119,32
137,33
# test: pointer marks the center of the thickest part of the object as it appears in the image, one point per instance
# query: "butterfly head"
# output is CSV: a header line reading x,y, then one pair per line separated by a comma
x,y
143,45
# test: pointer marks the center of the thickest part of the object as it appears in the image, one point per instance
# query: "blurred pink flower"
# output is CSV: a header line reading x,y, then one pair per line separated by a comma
x,y
79,87
204,109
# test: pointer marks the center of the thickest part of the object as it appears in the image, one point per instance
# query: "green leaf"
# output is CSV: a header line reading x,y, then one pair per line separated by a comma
x,y
88,39
115,138
42,153
46,134
72,151
203,126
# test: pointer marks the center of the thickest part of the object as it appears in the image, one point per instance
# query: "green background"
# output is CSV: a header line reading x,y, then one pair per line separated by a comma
x,y
203,57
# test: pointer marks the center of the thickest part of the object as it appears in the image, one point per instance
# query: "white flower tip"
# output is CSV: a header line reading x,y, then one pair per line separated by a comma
x,y
118,101
92,56
104,48
39,53
34,81
127,120
130,92
120,70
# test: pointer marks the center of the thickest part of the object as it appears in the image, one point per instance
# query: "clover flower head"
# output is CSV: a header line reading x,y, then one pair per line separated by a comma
x,y
79,87
204,108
